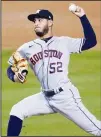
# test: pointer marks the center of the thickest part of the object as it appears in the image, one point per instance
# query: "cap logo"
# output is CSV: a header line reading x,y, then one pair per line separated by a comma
x,y
37,11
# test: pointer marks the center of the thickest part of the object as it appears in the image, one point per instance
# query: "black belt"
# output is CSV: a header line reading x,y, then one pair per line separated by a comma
x,y
51,93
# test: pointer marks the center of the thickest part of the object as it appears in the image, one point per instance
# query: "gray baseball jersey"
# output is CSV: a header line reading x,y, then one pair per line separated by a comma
x,y
50,60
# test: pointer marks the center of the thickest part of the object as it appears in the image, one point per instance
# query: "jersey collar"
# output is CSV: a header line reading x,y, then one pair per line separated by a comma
x,y
38,40
47,39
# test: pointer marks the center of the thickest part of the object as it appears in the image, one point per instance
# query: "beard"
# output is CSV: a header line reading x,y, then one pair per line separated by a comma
x,y
43,32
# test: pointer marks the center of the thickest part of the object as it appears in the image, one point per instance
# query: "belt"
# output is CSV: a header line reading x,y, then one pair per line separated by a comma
x,y
51,93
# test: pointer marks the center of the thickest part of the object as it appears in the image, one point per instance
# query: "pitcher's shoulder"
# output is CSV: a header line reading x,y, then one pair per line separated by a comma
x,y
63,38
27,45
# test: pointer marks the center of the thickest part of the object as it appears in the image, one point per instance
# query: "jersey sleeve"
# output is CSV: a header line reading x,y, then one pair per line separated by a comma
x,y
21,50
74,45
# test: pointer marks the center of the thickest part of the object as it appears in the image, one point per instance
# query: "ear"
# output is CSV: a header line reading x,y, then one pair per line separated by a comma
x,y
50,23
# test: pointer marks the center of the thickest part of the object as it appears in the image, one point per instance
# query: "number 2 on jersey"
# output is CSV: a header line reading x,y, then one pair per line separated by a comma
x,y
55,67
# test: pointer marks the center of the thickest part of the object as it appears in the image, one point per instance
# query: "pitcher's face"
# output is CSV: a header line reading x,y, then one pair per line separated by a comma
x,y
41,26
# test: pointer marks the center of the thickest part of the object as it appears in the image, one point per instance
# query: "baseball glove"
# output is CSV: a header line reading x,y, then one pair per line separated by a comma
x,y
20,67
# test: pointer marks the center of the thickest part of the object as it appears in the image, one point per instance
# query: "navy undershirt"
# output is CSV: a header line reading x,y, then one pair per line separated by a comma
x,y
10,73
89,34
46,39
89,40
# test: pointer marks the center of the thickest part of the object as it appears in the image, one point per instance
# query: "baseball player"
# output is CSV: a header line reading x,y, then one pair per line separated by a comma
x,y
48,56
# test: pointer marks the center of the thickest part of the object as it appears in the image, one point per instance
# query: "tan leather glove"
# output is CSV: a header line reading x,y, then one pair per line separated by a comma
x,y
20,67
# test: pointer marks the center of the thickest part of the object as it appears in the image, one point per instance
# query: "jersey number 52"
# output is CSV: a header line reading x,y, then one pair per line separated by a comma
x,y
55,67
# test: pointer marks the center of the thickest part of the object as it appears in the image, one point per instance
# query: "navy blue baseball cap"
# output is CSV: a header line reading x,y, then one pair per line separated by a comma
x,y
42,13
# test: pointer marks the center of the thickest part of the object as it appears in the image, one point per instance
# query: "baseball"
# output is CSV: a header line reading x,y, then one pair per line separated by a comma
x,y
72,7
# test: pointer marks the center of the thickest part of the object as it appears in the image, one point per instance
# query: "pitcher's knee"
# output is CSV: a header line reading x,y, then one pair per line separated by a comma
x,y
17,111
